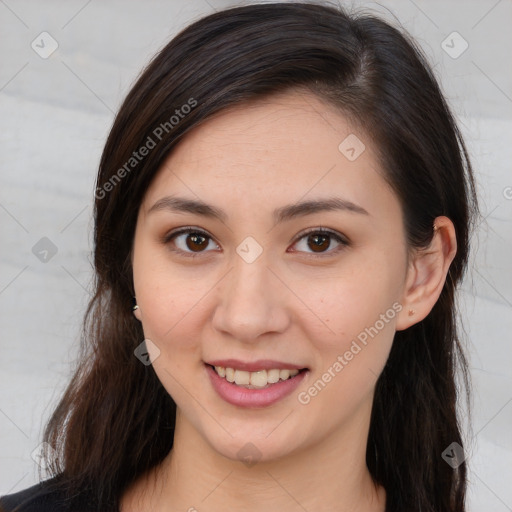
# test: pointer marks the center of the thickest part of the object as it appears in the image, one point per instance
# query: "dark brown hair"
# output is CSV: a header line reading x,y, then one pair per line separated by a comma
x,y
115,420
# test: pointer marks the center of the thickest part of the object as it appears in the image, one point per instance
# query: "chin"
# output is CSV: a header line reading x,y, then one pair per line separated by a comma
x,y
252,446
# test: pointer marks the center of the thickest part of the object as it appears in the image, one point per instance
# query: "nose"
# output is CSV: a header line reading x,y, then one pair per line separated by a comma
x,y
251,301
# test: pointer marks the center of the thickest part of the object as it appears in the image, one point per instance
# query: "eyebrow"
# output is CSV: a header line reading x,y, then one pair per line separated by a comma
x,y
282,214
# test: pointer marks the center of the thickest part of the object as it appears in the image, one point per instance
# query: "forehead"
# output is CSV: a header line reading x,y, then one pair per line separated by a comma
x,y
282,129
281,148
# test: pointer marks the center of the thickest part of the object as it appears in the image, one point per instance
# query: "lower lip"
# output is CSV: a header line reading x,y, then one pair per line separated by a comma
x,y
243,397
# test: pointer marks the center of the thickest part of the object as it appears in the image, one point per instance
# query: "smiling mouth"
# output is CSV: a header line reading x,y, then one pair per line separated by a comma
x,y
255,380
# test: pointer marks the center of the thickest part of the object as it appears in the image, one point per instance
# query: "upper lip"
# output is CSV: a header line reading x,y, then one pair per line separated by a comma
x,y
254,366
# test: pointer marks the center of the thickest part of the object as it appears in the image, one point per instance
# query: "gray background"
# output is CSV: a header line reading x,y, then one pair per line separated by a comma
x,y
55,114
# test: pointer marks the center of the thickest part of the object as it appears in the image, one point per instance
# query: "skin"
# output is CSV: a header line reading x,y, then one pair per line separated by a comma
x,y
287,305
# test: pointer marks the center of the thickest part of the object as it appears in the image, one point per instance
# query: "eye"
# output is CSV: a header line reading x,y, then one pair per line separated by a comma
x,y
189,241
319,239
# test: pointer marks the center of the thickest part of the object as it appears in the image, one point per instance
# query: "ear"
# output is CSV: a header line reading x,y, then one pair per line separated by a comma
x,y
426,274
136,313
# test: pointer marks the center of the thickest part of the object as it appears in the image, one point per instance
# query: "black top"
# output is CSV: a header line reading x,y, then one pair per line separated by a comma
x,y
42,497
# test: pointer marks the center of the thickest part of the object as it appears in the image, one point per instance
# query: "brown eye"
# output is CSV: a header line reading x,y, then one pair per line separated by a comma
x,y
196,241
190,242
319,241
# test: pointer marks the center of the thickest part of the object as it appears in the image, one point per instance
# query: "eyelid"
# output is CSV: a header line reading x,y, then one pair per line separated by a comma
x,y
186,230
340,238
183,230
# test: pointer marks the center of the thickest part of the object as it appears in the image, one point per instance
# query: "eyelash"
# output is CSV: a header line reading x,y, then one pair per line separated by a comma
x,y
321,231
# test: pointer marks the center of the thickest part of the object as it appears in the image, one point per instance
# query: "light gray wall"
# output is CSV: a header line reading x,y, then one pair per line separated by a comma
x,y
55,114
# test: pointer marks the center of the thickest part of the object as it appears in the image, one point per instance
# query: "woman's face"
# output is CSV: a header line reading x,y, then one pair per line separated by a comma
x,y
255,286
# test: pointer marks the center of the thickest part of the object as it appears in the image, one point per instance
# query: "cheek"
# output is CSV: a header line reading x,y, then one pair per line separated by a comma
x,y
350,362
353,301
170,307
164,309
359,308
168,299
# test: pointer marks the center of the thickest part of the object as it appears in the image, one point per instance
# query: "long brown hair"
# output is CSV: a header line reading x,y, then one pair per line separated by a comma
x,y
115,420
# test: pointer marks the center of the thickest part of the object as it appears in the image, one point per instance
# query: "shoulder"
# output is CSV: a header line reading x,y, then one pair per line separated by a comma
x,y
42,497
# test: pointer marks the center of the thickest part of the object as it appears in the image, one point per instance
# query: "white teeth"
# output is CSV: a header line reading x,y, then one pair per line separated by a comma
x,y
272,376
259,379
241,378
284,374
254,380
230,375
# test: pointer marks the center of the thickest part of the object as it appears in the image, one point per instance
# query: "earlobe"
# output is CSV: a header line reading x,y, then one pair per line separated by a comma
x,y
427,273
136,312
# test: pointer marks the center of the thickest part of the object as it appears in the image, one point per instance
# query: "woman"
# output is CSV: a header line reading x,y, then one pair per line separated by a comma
x,y
282,214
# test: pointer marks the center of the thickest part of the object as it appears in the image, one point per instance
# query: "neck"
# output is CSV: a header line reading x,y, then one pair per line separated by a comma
x,y
329,476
